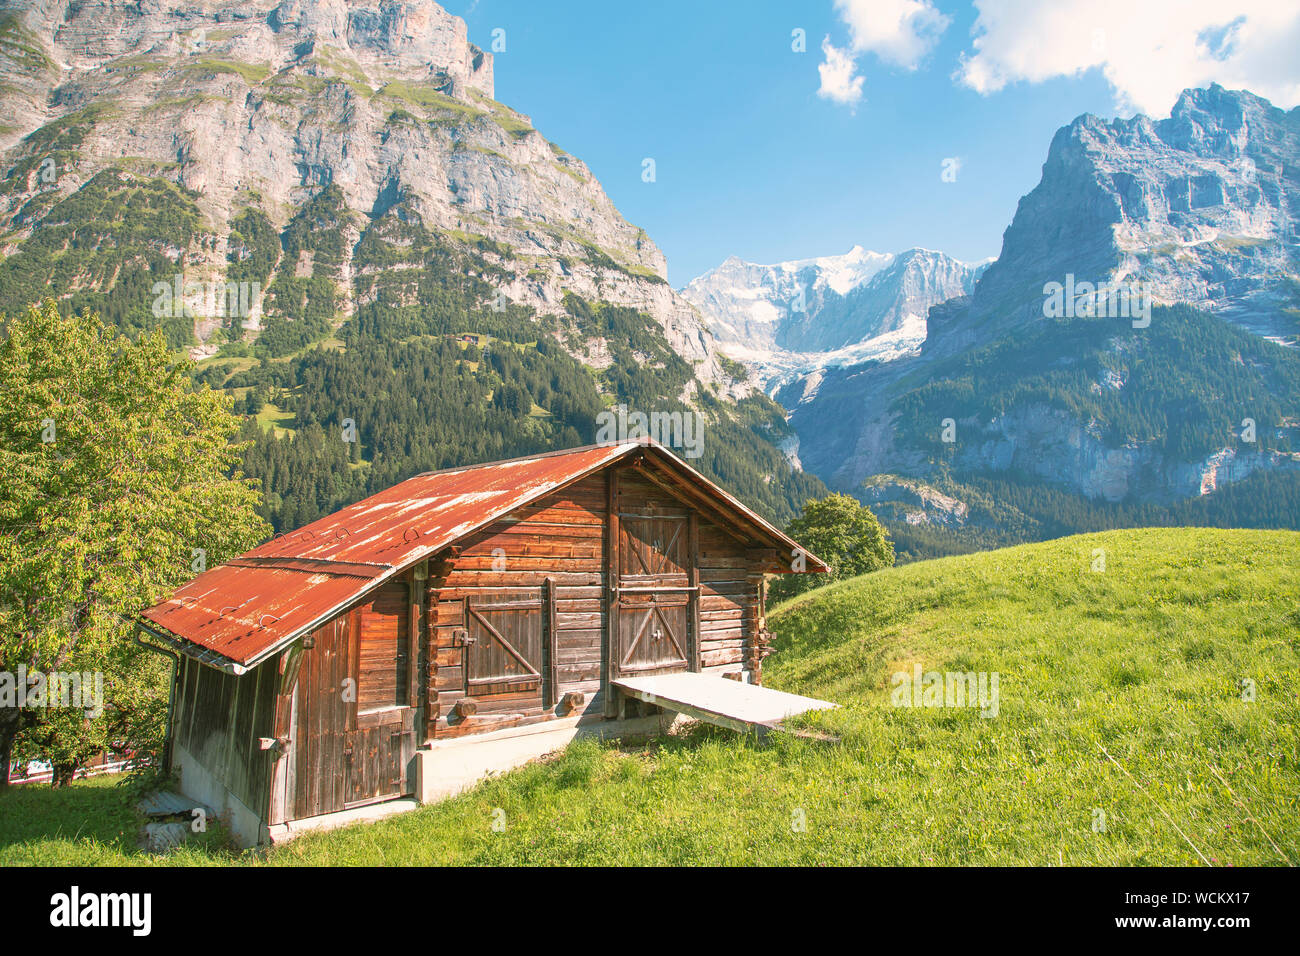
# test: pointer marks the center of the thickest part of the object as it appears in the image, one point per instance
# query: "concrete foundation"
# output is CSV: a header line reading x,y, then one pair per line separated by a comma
x,y
246,826
445,768
284,832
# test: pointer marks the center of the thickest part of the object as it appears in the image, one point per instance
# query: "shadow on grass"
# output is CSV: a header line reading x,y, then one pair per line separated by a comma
x,y
583,763
96,809
93,822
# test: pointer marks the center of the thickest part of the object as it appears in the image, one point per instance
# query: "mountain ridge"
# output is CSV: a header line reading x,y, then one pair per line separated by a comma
x,y
387,252
1203,207
789,319
264,104
1197,216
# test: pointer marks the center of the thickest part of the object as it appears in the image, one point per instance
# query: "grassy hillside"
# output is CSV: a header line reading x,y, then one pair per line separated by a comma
x,y
1144,659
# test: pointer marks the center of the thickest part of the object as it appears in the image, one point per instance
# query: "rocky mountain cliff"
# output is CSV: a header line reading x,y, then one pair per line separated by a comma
x,y
325,205
261,106
1202,208
1117,409
789,319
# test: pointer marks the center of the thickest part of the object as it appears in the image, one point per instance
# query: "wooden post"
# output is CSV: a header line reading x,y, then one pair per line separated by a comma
x,y
284,768
753,634
414,620
439,569
550,648
609,636
693,555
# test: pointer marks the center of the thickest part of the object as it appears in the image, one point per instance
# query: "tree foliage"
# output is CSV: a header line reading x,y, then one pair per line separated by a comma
x,y
842,532
118,487
422,397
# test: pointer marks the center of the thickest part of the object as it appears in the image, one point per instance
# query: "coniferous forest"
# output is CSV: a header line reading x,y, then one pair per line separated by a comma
x,y
433,372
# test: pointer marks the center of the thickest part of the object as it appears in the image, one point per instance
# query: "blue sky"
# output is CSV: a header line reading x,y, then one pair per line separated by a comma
x,y
751,160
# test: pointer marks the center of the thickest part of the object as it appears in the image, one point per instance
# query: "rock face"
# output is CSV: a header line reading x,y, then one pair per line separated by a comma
x,y
262,105
789,319
1201,209
913,502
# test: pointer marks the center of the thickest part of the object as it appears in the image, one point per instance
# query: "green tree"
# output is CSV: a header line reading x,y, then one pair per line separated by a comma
x,y
117,487
842,532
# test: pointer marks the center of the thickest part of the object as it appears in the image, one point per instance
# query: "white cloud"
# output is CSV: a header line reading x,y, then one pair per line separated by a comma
x,y
900,32
837,72
1148,51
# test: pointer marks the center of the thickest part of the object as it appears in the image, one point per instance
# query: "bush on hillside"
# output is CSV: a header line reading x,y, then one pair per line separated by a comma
x,y
842,532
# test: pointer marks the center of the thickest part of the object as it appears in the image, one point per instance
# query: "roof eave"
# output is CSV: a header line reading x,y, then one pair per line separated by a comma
x,y
195,652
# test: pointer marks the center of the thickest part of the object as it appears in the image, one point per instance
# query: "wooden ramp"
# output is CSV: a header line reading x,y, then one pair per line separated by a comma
x,y
716,700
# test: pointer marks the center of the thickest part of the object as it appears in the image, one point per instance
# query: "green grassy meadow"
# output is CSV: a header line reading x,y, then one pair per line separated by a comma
x,y
1152,660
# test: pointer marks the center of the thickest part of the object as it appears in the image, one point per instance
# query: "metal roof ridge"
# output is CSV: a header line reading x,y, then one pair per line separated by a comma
x,y
363,569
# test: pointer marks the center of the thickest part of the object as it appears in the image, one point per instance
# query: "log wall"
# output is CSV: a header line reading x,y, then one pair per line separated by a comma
x,y
562,540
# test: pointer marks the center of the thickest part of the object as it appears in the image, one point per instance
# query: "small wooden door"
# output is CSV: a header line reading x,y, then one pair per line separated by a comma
x,y
320,727
381,730
505,639
653,608
354,720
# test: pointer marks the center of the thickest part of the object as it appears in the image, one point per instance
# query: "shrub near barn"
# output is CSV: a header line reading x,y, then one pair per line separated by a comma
x,y
841,532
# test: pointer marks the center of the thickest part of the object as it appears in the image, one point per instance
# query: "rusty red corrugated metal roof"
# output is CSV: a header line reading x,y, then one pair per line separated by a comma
x,y
246,609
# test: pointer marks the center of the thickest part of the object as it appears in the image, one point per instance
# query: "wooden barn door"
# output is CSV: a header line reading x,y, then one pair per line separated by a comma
x,y
655,595
381,737
505,639
354,726
321,718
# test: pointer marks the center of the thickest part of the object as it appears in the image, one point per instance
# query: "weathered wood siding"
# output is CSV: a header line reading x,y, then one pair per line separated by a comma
x,y
384,626
559,539
549,561
343,708
219,718
729,600
656,568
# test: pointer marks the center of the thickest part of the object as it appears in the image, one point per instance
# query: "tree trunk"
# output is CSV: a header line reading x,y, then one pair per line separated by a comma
x,y
63,774
11,722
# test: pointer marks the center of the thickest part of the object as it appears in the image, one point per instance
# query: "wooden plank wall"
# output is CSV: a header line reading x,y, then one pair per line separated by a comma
x,y
560,538
729,600
385,639
321,720
219,718
563,539
341,750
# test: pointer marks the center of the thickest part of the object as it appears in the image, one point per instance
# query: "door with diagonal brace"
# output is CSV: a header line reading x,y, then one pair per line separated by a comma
x,y
654,593
505,646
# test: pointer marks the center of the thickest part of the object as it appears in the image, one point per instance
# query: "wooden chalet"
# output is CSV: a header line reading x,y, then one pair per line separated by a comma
x,y
459,622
